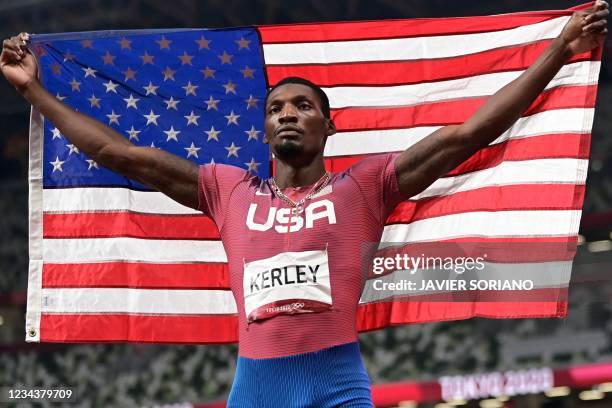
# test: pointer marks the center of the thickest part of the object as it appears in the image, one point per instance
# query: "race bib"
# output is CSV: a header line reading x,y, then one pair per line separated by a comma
x,y
287,283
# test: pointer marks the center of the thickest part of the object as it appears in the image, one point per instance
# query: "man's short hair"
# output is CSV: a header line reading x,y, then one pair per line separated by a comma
x,y
298,80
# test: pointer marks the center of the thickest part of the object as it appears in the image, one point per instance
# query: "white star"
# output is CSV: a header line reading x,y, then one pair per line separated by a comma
x,y
252,133
131,102
190,89
113,117
192,151
57,164
68,57
133,133
151,89
212,134
110,86
230,87
94,101
73,149
251,102
232,118
191,118
92,164
56,133
212,160
89,72
75,85
60,97
151,117
171,103
232,150
212,103
252,165
171,134
168,74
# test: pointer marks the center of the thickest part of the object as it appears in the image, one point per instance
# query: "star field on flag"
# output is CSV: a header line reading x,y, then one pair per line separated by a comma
x,y
195,93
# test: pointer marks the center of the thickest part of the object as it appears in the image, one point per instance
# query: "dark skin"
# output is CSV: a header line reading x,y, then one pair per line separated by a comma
x,y
295,123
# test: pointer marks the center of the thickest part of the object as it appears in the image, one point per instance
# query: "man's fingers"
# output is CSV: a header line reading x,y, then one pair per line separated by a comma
x,y
14,44
596,26
14,49
599,5
10,56
597,16
10,46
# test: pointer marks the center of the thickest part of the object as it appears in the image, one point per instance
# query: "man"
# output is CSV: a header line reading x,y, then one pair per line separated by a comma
x,y
292,240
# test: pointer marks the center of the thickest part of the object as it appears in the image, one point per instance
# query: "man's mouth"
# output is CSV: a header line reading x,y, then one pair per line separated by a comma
x,y
289,131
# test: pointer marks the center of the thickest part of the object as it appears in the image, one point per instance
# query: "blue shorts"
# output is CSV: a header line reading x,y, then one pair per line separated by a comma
x,y
332,377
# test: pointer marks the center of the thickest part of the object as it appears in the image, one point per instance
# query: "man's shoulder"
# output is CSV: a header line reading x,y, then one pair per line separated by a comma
x,y
372,163
226,175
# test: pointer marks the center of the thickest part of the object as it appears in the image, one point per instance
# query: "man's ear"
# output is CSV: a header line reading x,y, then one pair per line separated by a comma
x,y
331,128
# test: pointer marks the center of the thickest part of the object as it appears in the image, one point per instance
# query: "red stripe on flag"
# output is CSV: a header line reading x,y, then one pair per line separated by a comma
x,y
138,328
128,224
350,31
454,111
416,71
378,315
504,198
136,275
570,145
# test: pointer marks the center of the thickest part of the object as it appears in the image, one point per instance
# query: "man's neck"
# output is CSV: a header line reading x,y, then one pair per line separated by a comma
x,y
294,176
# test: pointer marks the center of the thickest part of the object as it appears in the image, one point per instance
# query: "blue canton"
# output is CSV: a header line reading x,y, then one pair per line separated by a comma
x,y
195,93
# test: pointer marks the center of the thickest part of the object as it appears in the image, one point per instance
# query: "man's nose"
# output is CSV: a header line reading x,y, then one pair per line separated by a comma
x,y
288,114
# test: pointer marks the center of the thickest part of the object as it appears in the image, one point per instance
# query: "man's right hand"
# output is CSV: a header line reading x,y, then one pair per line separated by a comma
x,y
18,65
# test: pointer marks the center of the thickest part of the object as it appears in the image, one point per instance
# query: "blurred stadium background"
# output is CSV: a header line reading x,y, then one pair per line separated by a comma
x,y
552,362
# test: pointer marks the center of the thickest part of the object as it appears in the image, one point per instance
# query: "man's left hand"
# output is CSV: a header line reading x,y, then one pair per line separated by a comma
x,y
586,29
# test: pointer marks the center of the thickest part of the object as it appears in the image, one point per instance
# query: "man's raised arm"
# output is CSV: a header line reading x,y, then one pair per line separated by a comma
x,y
170,174
434,156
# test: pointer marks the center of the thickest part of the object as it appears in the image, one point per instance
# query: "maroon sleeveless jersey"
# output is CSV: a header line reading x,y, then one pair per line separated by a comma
x,y
297,276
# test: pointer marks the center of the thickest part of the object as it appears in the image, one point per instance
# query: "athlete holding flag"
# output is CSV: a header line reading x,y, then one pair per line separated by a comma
x,y
292,240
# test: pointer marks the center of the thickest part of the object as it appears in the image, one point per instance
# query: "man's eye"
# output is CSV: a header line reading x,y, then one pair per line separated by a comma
x,y
274,109
304,106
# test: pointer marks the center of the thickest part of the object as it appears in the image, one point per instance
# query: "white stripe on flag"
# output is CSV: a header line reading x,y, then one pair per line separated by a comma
x,y
111,199
395,140
396,49
144,301
577,73
132,249
541,171
486,224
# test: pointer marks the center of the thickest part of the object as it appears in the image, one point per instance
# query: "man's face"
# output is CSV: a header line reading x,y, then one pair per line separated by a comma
x,y
295,125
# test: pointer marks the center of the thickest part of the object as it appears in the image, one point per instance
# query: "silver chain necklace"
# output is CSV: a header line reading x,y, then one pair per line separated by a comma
x,y
297,207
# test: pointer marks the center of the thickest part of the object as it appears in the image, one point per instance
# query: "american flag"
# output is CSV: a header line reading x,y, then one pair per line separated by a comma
x,y
114,261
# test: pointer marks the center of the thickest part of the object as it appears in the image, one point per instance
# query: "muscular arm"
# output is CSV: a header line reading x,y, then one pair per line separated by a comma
x,y
172,175
426,161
